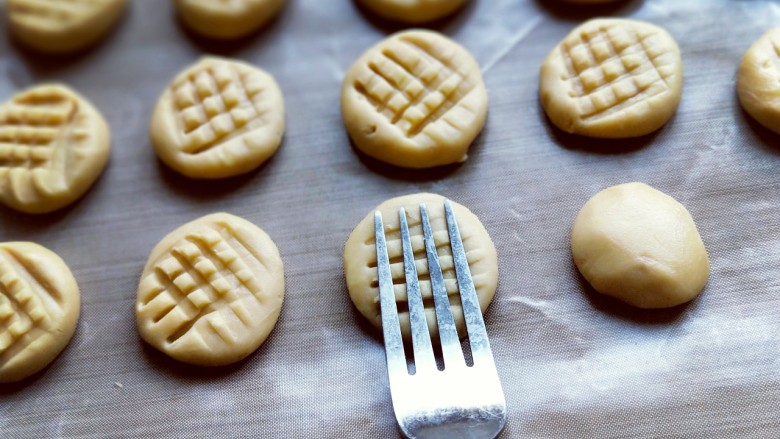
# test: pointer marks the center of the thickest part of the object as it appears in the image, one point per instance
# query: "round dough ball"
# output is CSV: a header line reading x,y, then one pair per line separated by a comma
x,y
414,11
211,291
415,100
218,118
226,20
612,78
39,309
758,80
55,144
58,26
641,246
360,259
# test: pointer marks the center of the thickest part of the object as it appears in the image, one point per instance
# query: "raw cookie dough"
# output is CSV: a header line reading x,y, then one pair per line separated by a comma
x,y
39,308
227,19
641,246
612,78
360,259
53,146
414,11
416,100
758,80
211,291
218,118
57,26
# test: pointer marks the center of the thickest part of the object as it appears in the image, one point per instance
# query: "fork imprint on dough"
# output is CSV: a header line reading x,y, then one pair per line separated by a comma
x,y
55,13
218,118
216,103
613,68
46,143
417,84
26,307
39,307
758,80
617,78
360,262
206,276
211,292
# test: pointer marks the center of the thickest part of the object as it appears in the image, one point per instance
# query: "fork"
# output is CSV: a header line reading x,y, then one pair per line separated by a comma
x,y
460,401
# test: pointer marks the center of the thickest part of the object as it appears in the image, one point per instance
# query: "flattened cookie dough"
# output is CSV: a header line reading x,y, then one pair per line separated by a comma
x,y
612,78
53,146
415,100
218,118
39,309
58,26
360,259
414,11
211,291
758,80
227,19
641,246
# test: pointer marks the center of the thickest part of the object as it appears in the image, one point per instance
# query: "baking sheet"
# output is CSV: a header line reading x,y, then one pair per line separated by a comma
x,y
573,364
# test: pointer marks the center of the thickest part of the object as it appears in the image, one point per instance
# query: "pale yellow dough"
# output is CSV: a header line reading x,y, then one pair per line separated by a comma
x,y
53,146
218,118
211,291
62,26
360,259
612,78
414,11
758,80
415,100
641,246
39,309
227,19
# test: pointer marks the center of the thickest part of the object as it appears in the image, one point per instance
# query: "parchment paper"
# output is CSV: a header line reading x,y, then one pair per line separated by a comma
x,y
573,364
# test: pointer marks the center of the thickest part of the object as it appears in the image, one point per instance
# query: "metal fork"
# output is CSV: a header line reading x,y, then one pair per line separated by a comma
x,y
460,401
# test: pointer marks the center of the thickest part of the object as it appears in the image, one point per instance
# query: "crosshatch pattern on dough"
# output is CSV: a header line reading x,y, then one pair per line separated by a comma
x,y
54,14
39,307
613,67
396,257
27,305
418,85
207,290
360,261
216,103
44,138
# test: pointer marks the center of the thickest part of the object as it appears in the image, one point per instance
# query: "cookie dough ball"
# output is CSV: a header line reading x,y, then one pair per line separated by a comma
x,y
58,26
612,78
39,309
227,19
758,80
53,146
211,291
218,118
414,11
360,263
415,100
641,246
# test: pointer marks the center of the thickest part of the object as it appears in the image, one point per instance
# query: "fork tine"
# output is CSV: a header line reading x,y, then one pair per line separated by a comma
x,y
391,327
424,359
448,334
475,324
